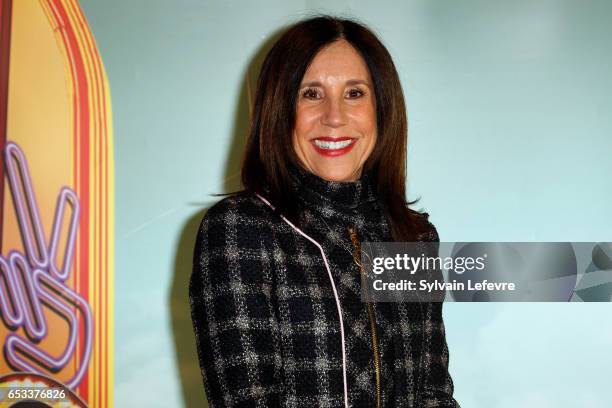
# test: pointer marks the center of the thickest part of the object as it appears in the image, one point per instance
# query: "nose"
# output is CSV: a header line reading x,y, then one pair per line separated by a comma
x,y
334,114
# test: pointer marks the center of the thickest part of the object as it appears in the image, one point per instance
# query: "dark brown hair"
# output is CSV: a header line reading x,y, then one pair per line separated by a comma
x,y
269,149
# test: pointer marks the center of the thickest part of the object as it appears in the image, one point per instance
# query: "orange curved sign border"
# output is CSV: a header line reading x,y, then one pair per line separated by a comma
x,y
87,195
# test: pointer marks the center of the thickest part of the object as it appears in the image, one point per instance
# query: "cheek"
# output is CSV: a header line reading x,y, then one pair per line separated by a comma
x,y
372,119
368,126
300,134
367,123
304,120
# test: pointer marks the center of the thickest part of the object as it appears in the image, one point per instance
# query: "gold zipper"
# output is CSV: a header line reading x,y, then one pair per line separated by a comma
x,y
357,258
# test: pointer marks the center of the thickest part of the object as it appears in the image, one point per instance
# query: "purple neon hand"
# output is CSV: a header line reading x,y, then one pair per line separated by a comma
x,y
35,279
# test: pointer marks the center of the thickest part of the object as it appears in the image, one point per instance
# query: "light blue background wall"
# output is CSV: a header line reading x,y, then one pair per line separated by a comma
x,y
510,139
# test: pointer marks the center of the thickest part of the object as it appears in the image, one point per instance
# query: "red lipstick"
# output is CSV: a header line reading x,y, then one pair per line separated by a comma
x,y
333,146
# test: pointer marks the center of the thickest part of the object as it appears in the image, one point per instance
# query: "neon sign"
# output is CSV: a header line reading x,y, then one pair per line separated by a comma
x,y
34,280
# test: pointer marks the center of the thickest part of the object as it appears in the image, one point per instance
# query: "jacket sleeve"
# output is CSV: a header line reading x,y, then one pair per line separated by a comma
x,y
437,385
235,326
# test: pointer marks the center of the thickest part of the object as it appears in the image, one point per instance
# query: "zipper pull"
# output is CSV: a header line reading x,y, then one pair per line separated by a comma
x,y
356,247
353,235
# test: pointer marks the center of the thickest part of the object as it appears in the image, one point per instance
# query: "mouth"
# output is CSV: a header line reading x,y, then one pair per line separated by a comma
x,y
333,147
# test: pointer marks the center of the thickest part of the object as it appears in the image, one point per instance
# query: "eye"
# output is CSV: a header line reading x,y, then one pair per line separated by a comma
x,y
311,93
354,93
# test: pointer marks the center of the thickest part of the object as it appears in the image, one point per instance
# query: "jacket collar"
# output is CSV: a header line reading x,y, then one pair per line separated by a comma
x,y
335,194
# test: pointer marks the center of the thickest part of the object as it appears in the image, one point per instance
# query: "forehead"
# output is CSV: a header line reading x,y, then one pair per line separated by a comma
x,y
338,61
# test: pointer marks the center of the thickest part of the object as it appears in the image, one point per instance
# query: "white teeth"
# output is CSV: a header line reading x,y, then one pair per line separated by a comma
x,y
333,145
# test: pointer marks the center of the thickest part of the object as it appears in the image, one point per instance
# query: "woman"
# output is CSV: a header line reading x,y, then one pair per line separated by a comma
x,y
275,290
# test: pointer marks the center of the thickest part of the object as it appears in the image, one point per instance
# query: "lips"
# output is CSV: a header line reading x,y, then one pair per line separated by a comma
x,y
333,146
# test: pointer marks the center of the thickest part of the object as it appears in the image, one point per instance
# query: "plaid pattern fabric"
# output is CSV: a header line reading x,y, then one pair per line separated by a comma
x,y
265,316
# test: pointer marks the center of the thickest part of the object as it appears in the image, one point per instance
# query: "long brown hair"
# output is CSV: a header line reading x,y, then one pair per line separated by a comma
x,y
269,148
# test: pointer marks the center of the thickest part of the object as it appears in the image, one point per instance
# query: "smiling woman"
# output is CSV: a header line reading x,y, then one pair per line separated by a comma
x,y
275,290
335,127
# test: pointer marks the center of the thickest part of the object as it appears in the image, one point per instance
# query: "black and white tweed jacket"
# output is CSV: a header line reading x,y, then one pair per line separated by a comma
x,y
266,318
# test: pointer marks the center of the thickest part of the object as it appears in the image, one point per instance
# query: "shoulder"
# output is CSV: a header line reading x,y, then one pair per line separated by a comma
x,y
238,216
426,231
240,208
234,238
236,225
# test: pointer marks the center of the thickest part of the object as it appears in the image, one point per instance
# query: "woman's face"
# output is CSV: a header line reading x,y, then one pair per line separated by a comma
x,y
335,126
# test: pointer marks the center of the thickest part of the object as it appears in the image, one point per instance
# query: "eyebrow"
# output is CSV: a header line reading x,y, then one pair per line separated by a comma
x,y
350,82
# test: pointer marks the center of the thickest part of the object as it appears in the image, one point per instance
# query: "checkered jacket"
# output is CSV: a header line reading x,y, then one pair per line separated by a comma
x,y
266,319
